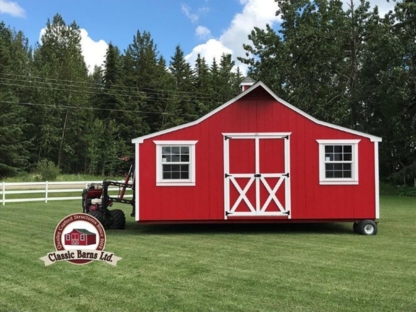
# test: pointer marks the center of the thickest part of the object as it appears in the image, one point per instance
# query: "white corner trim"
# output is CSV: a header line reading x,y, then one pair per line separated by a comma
x,y
192,163
354,163
377,181
136,181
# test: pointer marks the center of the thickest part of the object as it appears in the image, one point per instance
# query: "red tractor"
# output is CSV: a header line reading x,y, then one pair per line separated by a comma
x,y
96,201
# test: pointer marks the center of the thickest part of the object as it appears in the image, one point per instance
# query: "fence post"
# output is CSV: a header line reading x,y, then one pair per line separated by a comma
x,y
46,192
4,193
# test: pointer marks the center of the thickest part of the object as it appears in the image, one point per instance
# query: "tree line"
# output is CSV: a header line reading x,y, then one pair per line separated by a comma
x,y
349,67
53,109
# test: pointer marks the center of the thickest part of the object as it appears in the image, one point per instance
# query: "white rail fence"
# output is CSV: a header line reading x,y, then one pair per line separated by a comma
x,y
46,188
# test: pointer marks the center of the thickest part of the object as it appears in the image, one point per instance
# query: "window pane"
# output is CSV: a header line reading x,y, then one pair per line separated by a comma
x,y
168,158
329,157
175,168
337,166
329,149
338,149
165,150
329,174
184,150
347,149
329,167
175,158
175,175
347,167
184,158
337,157
337,174
184,175
347,174
347,157
167,168
184,167
175,149
166,175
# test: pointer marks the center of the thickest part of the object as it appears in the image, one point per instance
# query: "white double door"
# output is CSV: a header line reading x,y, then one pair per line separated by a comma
x,y
257,174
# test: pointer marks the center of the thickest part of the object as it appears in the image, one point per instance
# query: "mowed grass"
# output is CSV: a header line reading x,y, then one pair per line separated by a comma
x,y
322,267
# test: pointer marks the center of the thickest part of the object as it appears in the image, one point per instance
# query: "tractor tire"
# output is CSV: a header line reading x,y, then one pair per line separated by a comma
x,y
367,227
118,221
98,215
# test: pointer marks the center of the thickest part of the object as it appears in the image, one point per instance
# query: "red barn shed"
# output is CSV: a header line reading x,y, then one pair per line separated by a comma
x,y
257,158
80,237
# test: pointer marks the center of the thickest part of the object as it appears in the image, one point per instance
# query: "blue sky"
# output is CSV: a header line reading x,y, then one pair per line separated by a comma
x,y
208,27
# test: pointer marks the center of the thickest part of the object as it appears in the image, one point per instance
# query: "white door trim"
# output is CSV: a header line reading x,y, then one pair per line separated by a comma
x,y
258,178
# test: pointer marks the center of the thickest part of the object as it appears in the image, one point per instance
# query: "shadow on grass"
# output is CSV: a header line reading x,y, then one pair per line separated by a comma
x,y
133,228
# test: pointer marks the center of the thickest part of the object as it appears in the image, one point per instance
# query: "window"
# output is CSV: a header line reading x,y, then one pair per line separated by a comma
x,y
82,237
338,161
67,237
175,163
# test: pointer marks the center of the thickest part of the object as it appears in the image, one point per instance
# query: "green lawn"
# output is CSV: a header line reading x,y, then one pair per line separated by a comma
x,y
213,267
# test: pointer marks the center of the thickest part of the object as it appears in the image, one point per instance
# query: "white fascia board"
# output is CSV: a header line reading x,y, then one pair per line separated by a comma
x,y
373,138
193,123
244,93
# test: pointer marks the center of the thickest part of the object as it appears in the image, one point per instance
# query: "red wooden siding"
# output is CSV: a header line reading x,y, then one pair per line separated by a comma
x,y
256,112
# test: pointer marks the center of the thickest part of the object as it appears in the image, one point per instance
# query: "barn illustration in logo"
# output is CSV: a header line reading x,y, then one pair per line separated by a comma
x,y
80,237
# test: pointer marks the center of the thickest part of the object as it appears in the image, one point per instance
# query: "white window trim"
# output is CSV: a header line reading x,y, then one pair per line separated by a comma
x,y
192,164
354,170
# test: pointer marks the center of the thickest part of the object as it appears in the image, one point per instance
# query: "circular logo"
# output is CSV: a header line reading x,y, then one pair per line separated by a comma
x,y
79,233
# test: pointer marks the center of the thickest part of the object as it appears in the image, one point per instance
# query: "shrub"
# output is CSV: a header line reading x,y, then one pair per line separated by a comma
x,y
47,170
407,191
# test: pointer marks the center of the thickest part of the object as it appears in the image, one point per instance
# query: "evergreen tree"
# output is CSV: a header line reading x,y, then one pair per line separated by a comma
x,y
13,146
61,78
202,83
183,87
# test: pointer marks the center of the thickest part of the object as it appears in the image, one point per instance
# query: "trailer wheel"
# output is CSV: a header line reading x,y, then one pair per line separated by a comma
x,y
118,219
98,215
367,227
355,228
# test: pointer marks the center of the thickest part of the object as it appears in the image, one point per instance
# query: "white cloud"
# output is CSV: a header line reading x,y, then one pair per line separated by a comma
x,y
187,11
202,32
12,8
194,17
203,10
255,13
383,5
92,51
212,48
